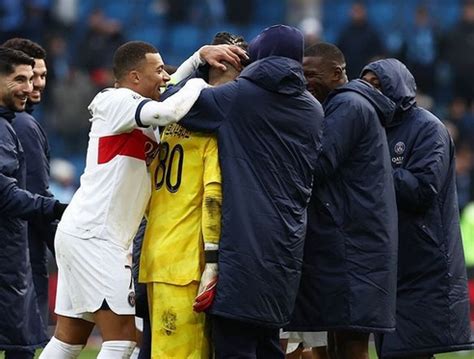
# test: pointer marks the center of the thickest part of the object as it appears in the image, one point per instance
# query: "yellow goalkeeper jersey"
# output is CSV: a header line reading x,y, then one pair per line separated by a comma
x,y
185,207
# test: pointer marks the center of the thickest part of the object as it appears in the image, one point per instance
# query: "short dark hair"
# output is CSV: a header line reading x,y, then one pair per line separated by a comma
x,y
226,38
327,51
9,58
128,56
29,47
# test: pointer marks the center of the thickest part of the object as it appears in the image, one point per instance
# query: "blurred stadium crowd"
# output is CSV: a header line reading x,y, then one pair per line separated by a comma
x,y
434,38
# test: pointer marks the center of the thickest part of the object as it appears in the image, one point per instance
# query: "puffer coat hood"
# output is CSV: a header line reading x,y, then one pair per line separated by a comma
x,y
396,81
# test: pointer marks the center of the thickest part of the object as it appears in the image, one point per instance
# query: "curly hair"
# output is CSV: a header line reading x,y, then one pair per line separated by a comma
x,y
226,38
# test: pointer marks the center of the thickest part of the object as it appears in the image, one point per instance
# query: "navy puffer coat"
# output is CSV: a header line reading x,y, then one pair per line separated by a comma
x,y
21,325
432,299
268,127
350,254
40,234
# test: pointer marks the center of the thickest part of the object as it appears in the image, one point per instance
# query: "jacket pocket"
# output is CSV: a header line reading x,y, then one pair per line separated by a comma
x,y
331,212
426,233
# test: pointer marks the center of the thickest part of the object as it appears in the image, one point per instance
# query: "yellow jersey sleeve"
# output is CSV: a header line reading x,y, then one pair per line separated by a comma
x,y
212,202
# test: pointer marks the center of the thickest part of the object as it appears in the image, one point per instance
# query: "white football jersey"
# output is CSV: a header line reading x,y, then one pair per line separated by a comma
x,y
115,187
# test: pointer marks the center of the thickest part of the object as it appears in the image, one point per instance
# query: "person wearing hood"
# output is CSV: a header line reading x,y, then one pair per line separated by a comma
x,y
432,297
348,285
268,129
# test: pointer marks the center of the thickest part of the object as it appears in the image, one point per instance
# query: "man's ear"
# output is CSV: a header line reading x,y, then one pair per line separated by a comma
x,y
338,73
134,76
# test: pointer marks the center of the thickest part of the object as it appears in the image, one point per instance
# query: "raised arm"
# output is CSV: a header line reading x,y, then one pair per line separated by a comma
x,y
171,110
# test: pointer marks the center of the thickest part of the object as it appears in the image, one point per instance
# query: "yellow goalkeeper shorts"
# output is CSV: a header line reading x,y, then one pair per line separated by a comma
x,y
176,330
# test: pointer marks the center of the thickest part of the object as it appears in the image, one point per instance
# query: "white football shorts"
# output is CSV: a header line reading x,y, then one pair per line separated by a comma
x,y
90,271
307,339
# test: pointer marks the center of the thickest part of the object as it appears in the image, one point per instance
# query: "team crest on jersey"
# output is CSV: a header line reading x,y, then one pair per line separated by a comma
x,y
399,148
131,299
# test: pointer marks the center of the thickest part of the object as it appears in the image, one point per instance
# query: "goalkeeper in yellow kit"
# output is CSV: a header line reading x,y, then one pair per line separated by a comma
x,y
183,232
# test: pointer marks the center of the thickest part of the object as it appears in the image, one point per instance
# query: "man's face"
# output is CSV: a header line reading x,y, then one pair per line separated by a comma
x,y
323,78
39,81
372,79
152,76
16,87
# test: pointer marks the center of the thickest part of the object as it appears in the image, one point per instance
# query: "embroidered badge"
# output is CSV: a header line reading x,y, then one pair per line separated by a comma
x,y
399,148
131,299
168,319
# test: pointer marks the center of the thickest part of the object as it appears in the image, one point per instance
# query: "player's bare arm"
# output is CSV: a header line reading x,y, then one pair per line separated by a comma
x,y
174,107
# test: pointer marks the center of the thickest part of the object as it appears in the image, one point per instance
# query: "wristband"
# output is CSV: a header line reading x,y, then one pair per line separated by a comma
x,y
211,256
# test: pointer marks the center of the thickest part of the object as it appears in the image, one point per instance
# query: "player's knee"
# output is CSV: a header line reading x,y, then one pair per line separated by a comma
x,y
60,350
116,349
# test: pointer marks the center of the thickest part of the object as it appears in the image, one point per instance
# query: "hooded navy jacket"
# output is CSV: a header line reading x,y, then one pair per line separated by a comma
x,y
37,154
21,325
350,254
432,299
268,128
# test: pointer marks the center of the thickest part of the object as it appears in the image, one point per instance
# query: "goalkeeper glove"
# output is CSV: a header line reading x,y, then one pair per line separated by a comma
x,y
207,287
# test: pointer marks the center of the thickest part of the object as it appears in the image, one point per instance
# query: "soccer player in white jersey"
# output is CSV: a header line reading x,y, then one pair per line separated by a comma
x,y
95,286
